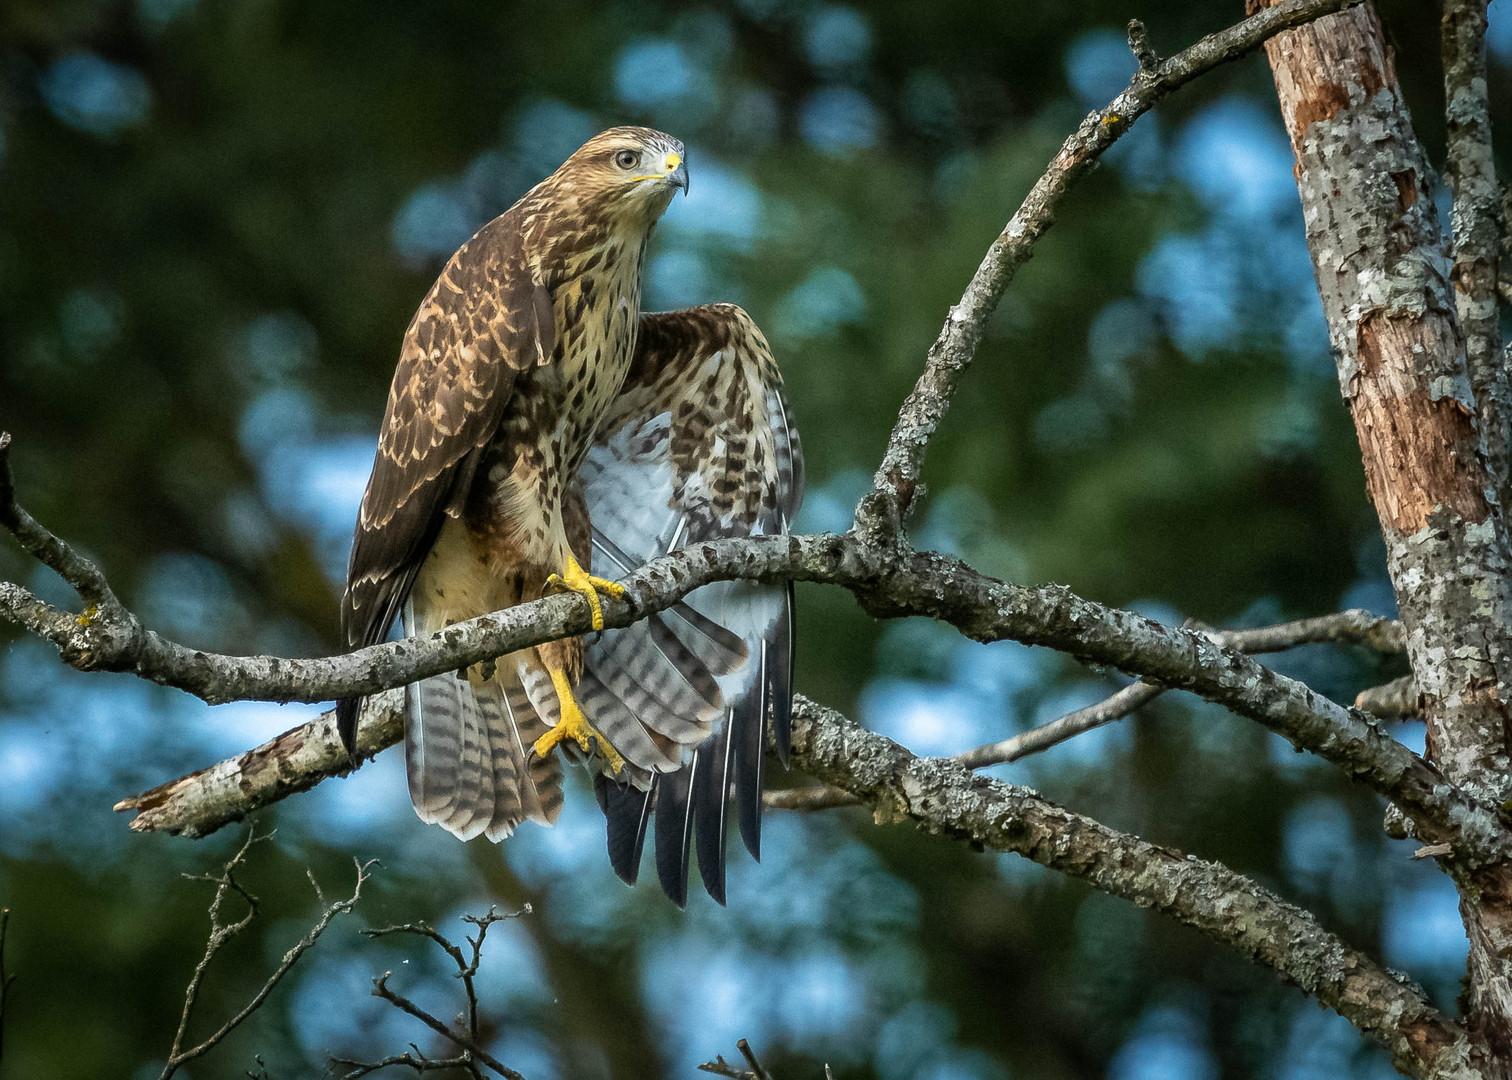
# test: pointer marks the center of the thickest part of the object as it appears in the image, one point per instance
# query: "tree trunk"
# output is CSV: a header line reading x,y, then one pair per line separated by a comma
x,y
1377,250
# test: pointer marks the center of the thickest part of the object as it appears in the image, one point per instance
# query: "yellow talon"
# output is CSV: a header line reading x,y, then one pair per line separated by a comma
x,y
575,579
575,726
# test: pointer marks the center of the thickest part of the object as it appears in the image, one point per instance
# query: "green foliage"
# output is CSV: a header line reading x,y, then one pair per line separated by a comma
x,y
200,302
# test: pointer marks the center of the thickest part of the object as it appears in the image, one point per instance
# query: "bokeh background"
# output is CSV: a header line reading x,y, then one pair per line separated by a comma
x,y
216,218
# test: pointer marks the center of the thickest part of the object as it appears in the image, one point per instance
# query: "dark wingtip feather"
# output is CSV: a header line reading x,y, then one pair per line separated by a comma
x,y
748,722
674,812
711,798
626,811
780,679
347,710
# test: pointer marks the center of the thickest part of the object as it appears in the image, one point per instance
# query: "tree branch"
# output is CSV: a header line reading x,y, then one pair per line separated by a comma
x,y
880,515
945,797
926,584
1396,700
720,1067
1385,635
5,980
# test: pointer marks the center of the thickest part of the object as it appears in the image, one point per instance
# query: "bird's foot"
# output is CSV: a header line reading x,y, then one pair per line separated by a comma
x,y
575,579
575,726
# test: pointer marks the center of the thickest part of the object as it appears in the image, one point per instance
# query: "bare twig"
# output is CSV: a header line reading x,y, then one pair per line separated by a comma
x,y
404,1004
1036,740
467,968
880,515
221,932
81,574
413,1058
750,1055
5,979
720,1067
1355,626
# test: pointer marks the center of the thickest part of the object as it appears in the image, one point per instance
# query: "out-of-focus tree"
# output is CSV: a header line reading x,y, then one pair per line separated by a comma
x,y
216,219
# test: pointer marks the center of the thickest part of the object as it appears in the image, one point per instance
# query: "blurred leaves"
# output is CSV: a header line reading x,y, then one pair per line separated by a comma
x,y
218,217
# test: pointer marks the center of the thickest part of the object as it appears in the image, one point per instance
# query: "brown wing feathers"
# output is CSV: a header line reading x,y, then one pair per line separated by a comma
x,y
485,319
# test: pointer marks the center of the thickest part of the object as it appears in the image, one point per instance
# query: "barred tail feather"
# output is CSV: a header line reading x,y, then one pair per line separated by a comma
x,y
442,744
469,760
541,778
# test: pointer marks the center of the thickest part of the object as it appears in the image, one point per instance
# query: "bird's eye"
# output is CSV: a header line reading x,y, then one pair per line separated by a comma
x,y
627,159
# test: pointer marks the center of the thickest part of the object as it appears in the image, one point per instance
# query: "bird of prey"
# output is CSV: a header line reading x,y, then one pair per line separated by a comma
x,y
540,427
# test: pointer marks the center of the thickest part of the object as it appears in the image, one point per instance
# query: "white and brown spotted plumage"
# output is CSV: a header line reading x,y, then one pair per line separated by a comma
x,y
536,414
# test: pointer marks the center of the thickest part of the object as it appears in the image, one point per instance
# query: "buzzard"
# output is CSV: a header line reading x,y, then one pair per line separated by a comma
x,y
540,427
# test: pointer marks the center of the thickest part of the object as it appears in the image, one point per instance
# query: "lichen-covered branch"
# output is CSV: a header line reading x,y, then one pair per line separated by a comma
x,y
945,797
926,584
198,804
1347,626
880,515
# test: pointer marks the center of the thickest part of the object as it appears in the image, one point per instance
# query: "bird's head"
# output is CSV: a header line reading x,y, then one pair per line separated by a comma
x,y
630,173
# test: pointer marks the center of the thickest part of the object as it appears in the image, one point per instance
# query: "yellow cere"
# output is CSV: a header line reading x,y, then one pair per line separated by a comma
x,y
669,166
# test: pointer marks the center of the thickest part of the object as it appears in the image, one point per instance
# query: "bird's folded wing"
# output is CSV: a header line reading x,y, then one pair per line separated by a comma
x,y
485,319
699,445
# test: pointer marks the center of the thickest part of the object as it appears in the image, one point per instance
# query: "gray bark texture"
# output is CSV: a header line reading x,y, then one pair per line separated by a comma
x,y
1392,311
1478,224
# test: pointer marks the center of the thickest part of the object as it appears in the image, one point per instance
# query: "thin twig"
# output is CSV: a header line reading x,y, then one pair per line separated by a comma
x,y
221,932
404,1004
5,980
80,573
466,970
413,1058
1037,740
1355,626
720,1067
750,1055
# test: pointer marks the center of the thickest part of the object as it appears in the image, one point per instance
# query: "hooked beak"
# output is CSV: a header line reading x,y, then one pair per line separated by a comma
x,y
677,172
